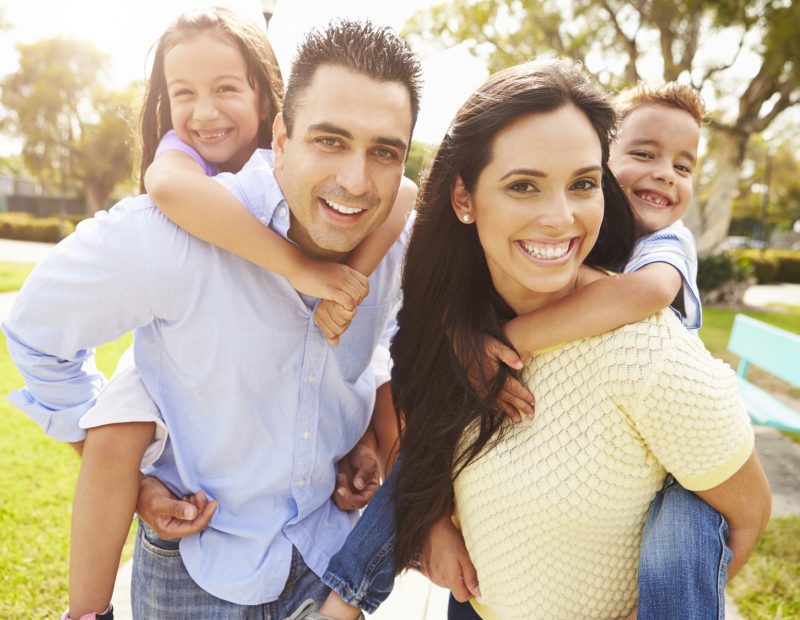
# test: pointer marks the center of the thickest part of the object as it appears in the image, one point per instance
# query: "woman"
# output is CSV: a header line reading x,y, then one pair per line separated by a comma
x,y
518,210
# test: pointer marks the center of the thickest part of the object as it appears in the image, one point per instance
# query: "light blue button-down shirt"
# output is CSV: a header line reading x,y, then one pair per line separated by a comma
x,y
259,407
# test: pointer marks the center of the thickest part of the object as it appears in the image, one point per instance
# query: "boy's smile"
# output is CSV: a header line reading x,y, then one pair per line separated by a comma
x,y
653,161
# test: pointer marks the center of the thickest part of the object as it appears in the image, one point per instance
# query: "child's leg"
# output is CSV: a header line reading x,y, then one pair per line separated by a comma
x,y
460,611
683,563
105,500
361,574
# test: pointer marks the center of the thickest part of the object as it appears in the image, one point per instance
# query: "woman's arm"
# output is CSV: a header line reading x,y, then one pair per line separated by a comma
x,y
745,501
600,306
207,210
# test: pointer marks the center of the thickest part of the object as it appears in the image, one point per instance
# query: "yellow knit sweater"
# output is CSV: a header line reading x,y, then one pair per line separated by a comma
x,y
552,513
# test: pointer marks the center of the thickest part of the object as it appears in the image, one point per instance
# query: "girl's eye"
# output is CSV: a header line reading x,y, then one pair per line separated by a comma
x,y
227,88
642,154
181,93
585,185
523,187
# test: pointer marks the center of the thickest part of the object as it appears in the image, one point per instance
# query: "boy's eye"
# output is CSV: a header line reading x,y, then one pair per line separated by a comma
x,y
684,168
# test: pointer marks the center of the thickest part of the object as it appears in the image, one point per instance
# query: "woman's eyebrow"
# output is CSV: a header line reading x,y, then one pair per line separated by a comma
x,y
532,172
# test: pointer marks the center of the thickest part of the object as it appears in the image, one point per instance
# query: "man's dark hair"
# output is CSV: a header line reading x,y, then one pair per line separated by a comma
x,y
361,46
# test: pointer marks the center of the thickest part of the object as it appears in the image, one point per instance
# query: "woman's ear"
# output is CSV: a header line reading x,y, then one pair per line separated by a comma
x,y
461,201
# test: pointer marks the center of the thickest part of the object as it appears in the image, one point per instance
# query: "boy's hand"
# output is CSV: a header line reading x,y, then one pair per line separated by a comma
x,y
514,398
167,515
333,281
333,319
359,478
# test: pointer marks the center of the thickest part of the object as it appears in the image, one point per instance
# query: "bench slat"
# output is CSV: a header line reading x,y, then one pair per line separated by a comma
x,y
775,350
766,410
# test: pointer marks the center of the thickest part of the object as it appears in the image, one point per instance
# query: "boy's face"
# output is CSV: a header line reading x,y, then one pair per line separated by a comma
x,y
653,161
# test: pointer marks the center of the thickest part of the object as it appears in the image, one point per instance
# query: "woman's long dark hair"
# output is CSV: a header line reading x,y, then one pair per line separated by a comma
x,y
449,301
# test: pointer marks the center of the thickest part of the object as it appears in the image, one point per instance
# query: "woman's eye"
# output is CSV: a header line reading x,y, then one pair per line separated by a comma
x,y
522,187
585,185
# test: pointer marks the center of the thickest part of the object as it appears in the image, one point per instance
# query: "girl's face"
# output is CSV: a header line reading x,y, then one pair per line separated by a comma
x,y
537,205
213,107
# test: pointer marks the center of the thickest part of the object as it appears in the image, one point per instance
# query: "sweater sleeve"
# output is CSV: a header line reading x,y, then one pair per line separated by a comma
x,y
691,416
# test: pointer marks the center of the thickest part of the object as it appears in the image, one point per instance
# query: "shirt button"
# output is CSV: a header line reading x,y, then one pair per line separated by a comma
x,y
263,219
306,434
310,378
301,482
282,212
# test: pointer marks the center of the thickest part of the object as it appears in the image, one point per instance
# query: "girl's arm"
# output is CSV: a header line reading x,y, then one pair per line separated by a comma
x,y
600,306
373,248
207,210
333,319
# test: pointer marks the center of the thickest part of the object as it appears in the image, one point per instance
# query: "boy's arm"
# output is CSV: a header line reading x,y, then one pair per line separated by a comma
x,y
602,305
373,248
207,210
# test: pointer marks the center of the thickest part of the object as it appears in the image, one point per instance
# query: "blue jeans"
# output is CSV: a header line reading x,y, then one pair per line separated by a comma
x,y
162,588
683,560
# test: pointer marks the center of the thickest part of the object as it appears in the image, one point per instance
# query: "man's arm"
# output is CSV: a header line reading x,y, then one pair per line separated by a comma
x,y
91,290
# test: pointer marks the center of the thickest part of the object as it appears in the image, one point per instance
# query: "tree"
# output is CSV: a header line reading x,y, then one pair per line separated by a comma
x,y
622,42
75,136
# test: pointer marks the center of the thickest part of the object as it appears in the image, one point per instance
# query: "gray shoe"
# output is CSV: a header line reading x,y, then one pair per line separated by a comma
x,y
308,611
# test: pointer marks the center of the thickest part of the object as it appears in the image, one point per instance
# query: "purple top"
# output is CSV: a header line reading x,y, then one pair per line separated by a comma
x,y
171,142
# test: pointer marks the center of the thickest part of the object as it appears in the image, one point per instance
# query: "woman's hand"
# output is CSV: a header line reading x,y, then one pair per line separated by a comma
x,y
445,561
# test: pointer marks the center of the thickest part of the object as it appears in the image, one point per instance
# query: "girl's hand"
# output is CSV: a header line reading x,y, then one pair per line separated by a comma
x,y
333,320
332,281
514,398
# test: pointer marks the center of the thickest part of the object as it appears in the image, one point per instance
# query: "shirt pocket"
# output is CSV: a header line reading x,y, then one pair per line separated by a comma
x,y
357,345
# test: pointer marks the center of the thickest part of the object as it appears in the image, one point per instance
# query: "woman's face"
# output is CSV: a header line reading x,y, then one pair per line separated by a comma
x,y
538,205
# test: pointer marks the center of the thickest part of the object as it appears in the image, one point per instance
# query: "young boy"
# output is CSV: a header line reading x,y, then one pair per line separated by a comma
x,y
653,160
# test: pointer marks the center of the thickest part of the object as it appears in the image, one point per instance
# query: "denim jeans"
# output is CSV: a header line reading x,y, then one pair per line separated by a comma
x,y
683,559
161,588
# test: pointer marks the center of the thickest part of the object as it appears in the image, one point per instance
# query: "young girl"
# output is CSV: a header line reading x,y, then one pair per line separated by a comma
x,y
213,94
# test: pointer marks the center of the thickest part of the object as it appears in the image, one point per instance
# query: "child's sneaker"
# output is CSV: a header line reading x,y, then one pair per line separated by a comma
x,y
108,614
308,611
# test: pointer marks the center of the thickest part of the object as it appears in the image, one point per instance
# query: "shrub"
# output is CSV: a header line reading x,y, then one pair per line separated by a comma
x,y
26,227
772,265
723,278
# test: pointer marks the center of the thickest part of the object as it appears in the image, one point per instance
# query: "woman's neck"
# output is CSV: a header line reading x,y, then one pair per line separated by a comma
x,y
522,300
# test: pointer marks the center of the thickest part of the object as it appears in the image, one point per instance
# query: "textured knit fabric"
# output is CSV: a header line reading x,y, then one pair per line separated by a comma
x,y
552,512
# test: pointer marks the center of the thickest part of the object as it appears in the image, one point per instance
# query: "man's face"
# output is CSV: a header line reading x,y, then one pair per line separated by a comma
x,y
341,168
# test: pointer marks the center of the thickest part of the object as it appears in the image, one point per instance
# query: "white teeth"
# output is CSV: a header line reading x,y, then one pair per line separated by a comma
x,y
547,252
655,199
342,208
210,135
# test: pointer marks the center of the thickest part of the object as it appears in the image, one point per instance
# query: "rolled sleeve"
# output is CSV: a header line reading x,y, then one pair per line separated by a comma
x,y
91,290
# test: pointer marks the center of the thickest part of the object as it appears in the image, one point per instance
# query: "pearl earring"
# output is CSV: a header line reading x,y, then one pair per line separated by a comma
x,y
465,218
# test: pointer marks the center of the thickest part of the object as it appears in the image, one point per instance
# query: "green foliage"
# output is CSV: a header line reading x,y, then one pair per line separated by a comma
x,y
12,275
771,265
37,478
76,134
26,227
768,586
419,157
717,270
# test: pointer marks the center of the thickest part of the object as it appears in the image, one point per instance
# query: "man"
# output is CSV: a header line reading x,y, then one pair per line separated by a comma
x,y
259,407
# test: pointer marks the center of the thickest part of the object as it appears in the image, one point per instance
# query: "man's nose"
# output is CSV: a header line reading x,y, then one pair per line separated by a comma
x,y
354,174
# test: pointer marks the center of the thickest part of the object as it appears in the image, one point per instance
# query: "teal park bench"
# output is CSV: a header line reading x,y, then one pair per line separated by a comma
x,y
775,351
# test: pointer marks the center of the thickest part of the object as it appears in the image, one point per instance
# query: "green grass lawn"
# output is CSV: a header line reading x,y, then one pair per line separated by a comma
x,y
37,478
12,275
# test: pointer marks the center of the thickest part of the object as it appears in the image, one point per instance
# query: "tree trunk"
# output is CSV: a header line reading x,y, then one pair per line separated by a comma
x,y
710,221
95,199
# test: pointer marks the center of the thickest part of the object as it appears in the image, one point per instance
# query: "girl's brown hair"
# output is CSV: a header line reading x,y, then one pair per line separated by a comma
x,y
263,74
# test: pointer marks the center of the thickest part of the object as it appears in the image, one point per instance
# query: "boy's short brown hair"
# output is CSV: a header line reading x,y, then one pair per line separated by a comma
x,y
670,94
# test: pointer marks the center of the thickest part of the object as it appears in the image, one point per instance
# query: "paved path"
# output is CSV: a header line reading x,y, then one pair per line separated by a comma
x,y
414,597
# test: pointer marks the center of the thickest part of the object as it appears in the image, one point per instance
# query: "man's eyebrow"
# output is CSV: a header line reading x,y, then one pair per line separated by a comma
x,y
531,172
341,131
656,143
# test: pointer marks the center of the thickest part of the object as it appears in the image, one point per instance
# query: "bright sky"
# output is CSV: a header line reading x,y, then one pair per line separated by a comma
x,y
125,31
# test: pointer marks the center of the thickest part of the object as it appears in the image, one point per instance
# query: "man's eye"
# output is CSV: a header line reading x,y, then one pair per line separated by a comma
x,y
386,154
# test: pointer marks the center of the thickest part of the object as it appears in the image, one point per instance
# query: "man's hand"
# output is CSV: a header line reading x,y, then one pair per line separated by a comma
x,y
359,477
169,516
445,561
